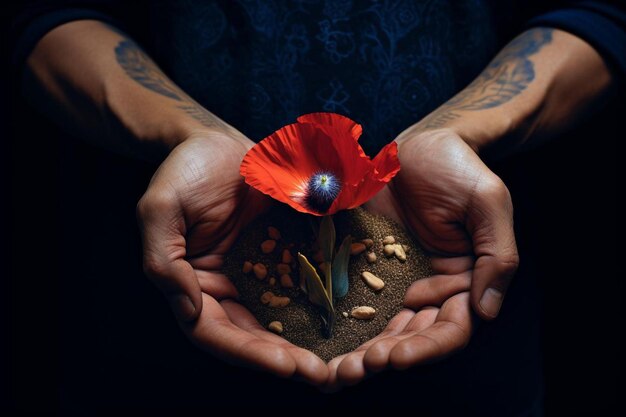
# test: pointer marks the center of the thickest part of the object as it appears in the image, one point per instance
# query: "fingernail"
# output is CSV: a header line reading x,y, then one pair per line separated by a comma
x,y
182,306
491,301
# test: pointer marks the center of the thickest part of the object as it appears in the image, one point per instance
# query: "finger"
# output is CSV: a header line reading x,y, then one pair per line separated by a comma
x,y
450,332
351,374
208,262
215,333
376,358
490,224
453,265
351,369
333,384
216,285
162,229
434,290
309,367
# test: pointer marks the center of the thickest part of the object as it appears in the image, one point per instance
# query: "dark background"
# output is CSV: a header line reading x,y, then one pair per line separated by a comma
x,y
86,333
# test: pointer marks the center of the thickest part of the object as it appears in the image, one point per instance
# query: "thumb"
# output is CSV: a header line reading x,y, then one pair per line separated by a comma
x,y
162,228
490,223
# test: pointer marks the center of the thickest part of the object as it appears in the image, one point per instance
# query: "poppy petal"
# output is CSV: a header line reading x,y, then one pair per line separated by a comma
x,y
356,164
386,162
282,164
387,166
335,125
286,163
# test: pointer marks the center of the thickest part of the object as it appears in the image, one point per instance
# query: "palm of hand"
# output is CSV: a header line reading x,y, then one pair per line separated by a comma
x,y
194,208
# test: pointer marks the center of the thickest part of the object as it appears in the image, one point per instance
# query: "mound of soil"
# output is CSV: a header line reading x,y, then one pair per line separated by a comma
x,y
301,321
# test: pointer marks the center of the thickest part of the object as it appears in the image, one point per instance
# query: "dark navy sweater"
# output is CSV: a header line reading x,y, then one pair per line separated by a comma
x,y
386,64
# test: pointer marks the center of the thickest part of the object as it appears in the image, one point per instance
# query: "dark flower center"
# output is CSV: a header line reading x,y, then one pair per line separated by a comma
x,y
321,191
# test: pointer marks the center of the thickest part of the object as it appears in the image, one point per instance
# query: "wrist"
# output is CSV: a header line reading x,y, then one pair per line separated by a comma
x,y
490,132
156,123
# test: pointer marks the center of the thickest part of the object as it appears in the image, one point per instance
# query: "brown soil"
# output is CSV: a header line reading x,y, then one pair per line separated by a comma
x,y
301,321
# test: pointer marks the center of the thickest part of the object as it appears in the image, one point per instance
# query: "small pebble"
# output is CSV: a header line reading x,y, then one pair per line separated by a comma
x,y
372,281
268,246
286,281
370,257
273,233
368,243
260,271
272,281
363,313
275,327
389,250
287,257
283,269
345,314
399,252
389,240
247,267
357,248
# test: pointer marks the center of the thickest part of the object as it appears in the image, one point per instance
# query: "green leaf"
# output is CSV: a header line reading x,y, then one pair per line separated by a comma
x,y
317,293
326,268
326,238
340,269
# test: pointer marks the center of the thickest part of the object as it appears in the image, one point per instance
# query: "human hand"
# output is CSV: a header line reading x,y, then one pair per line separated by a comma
x,y
193,209
461,212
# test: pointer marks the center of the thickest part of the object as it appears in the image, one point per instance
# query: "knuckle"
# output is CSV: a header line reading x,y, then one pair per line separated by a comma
x,y
495,188
153,202
141,208
508,263
153,268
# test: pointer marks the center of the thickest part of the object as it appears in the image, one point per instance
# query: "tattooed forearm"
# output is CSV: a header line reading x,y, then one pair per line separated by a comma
x,y
142,69
201,114
510,73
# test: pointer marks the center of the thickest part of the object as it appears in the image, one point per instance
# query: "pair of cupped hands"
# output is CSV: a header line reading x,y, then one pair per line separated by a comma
x,y
197,203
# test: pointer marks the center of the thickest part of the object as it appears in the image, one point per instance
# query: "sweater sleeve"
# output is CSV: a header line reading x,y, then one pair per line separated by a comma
x,y
36,18
601,24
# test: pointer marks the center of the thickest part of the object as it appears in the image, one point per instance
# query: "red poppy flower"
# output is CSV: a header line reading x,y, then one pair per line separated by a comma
x,y
317,166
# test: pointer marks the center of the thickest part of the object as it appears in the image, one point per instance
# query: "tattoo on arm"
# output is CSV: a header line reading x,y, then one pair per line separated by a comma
x,y
505,77
138,66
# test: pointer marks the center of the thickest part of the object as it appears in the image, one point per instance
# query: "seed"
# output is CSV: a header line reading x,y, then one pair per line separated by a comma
x,y
260,271
318,256
272,281
389,240
283,269
370,257
275,327
357,248
287,257
389,250
277,301
399,252
268,246
286,281
247,267
273,233
368,243
363,313
372,281
267,296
